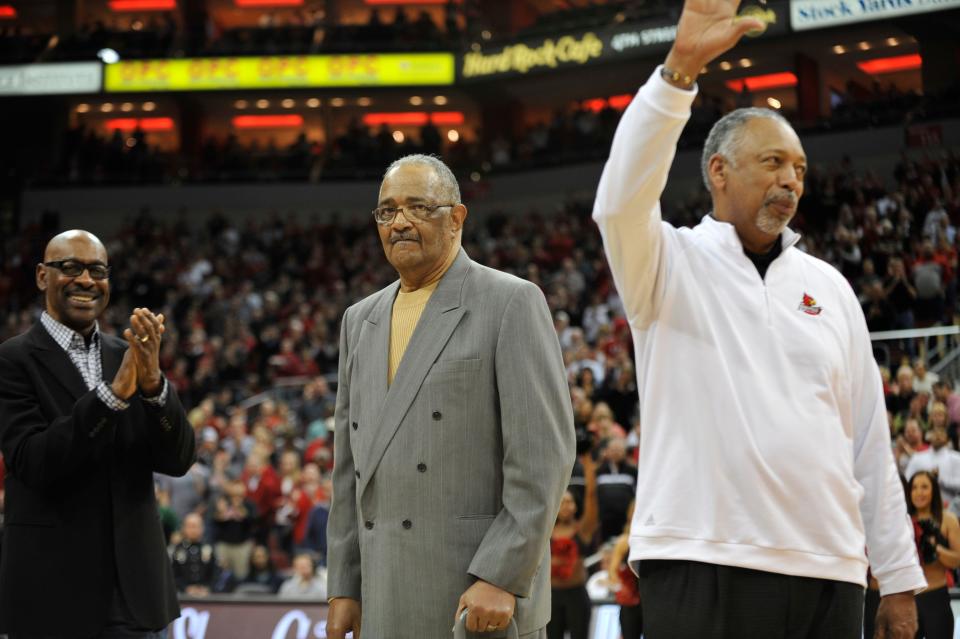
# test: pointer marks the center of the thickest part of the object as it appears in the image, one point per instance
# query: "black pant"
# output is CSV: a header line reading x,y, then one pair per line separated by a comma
x,y
692,600
569,612
935,614
870,606
631,622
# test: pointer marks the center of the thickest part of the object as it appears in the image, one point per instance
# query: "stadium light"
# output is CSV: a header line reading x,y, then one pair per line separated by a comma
x,y
892,64
108,56
760,82
396,2
447,118
142,5
145,124
618,102
595,104
268,3
414,118
267,121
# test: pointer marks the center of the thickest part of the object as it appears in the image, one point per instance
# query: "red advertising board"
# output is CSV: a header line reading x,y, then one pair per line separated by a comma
x,y
249,618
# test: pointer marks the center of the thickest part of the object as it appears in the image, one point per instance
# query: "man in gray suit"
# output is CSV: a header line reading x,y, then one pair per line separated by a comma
x,y
454,434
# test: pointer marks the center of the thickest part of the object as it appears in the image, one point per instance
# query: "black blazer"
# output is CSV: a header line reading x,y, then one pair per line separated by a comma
x,y
80,509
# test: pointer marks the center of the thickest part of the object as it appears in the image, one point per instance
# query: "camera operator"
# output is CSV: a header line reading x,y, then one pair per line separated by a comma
x,y
938,544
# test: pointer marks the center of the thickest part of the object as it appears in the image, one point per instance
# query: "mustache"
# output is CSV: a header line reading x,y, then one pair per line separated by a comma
x,y
783,198
400,237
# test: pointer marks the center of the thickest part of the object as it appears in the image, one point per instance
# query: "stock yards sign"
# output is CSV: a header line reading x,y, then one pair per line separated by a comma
x,y
573,50
817,14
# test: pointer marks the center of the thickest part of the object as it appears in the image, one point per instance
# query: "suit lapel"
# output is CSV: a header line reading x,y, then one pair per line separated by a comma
x,y
373,352
440,317
55,360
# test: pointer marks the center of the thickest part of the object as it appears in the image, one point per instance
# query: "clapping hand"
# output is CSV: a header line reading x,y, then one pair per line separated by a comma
x,y
144,336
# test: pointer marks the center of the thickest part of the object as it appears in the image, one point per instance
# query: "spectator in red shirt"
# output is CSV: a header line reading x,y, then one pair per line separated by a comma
x,y
263,489
308,494
292,502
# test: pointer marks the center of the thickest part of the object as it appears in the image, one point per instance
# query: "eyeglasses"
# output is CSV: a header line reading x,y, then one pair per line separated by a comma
x,y
421,212
74,268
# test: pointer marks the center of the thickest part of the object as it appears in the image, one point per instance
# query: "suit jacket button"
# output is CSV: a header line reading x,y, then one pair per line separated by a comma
x,y
422,467
368,525
407,524
437,415
354,425
357,473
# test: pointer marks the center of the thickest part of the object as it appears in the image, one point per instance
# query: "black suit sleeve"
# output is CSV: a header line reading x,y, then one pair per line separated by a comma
x,y
38,452
172,442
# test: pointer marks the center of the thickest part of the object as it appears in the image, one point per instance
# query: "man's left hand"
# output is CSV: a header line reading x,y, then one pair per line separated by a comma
x,y
896,617
488,608
143,336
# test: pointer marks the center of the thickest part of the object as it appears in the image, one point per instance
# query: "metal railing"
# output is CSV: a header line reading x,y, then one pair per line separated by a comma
x,y
937,346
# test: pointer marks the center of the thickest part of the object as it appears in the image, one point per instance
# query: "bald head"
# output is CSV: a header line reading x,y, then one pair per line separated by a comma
x,y
60,246
74,295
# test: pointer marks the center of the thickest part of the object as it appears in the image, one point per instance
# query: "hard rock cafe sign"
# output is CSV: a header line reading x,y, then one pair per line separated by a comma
x,y
577,49
521,58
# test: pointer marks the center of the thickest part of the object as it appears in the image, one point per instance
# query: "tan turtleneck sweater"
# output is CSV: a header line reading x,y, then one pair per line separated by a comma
x,y
407,309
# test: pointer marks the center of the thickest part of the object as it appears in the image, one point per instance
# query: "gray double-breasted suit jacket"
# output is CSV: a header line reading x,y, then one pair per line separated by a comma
x,y
455,471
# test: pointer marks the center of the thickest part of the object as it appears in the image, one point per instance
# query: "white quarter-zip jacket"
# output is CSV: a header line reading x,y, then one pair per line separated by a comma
x,y
764,440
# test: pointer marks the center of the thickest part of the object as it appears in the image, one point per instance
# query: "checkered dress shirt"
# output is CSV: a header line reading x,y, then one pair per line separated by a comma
x,y
87,360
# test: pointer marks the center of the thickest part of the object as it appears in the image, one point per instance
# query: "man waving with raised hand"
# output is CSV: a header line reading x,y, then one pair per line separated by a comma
x,y
756,503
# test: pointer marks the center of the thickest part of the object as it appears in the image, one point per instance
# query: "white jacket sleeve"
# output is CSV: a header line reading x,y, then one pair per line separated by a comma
x,y
627,207
890,544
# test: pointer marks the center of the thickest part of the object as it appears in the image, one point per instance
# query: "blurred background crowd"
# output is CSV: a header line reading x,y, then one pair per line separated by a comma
x,y
253,289
252,345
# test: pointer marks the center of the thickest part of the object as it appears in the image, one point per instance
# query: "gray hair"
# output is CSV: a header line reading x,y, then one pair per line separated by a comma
x,y
448,186
723,140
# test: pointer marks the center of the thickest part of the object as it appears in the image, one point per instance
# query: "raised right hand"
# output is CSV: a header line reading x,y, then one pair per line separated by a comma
x,y
707,29
125,381
342,617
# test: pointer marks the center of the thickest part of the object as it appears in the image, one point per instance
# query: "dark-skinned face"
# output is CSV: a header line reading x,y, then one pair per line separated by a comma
x,y
78,301
414,247
762,185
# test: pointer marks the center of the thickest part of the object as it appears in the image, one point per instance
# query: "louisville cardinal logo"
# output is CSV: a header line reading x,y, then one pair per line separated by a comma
x,y
809,305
